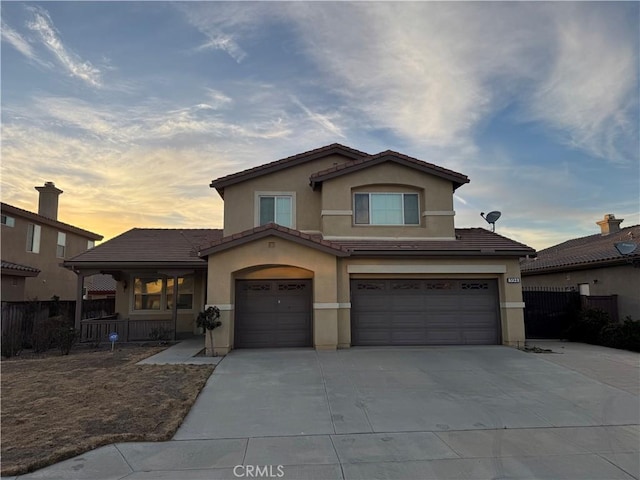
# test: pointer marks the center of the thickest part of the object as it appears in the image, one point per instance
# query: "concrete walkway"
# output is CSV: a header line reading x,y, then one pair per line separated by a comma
x,y
411,413
183,353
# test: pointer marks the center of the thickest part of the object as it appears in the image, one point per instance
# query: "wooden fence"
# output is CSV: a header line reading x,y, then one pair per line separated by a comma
x,y
97,330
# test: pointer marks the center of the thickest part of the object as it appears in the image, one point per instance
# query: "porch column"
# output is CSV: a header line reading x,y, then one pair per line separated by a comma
x,y
174,306
79,291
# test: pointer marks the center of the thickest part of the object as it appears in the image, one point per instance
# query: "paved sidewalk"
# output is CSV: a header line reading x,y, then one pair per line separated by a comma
x,y
411,413
183,353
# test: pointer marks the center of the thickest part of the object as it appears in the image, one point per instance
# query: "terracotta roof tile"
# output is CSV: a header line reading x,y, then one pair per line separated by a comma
x,y
150,246
583,251
100,283
277,230
18,268
10,209
388,155
222,182
469,241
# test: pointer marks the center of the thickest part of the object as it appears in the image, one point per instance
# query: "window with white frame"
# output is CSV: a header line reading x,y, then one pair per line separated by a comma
x,y
8,221
276,209
61,245
33,238
156,293
383,208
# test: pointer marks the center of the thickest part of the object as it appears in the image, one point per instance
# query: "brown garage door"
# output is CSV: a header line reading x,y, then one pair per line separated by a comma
x,y
273,313
424,312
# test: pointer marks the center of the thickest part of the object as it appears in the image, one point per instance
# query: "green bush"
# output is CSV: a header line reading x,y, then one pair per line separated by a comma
x,y
588,326
595,326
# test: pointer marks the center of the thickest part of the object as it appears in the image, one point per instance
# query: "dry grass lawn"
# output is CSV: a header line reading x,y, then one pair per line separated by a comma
x,y
55,407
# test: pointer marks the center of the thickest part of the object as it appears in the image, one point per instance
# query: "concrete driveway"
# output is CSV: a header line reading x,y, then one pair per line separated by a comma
x,y
366,413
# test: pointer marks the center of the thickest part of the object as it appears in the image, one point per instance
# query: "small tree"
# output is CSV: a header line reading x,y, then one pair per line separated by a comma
x,y
209,320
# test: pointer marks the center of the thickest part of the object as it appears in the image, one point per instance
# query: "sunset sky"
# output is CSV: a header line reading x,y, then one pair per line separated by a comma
x,y
132,108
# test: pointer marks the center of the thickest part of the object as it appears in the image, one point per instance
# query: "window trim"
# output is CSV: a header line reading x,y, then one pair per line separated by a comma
x,y
34,231
8,221
402,194
63,245
259,194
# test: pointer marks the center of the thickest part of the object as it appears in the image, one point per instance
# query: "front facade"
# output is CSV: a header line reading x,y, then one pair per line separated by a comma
x,y
335,247
34,246
592,266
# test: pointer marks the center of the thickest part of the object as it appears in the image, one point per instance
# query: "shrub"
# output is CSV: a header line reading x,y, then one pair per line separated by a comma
x,y
161,334
65,337
588,327
45,333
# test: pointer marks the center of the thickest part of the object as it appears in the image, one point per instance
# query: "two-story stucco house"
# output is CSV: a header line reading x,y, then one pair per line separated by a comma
x,y
329,248
34,246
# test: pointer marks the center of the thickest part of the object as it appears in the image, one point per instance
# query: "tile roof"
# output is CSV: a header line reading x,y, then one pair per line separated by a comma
x,y
145,246
389,155
10,209
21,270
583,252
335,148
272,229
469,241
100,283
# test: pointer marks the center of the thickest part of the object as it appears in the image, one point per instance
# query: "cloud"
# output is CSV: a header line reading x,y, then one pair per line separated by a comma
x,y
18,42
226,43
71,62
322,120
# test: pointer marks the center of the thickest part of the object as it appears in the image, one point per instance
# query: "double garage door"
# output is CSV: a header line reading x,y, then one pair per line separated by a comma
x,y
278,313
424,312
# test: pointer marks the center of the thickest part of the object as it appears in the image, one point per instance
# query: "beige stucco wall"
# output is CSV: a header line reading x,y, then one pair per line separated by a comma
x,y
331,283
12,288
280,257
621,280
435,196
239,199
53,279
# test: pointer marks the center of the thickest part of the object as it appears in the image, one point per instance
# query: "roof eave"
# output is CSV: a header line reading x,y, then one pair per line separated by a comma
x,y
11,272
442,253
201,263
581,266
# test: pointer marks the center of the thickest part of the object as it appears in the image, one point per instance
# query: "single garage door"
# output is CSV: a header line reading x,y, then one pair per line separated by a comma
x,y
424,312
273,313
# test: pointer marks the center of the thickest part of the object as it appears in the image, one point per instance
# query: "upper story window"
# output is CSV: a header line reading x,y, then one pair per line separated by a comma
x,y
33,238
61,245
156,293
8,221
91,244
386,209
276,208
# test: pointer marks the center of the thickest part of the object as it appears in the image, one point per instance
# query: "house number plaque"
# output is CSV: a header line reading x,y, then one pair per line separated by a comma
x,y
513,279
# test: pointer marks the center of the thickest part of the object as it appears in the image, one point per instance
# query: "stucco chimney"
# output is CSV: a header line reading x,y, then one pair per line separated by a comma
x,y
48,201
610,224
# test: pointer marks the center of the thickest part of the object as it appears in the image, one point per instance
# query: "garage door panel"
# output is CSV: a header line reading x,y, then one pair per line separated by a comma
x,y
424,312
273,313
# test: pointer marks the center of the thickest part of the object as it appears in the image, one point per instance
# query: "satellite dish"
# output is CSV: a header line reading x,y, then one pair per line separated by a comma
x,y
625,248
492,218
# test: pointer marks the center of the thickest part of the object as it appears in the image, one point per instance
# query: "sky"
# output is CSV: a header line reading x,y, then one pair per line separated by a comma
x,y
132,108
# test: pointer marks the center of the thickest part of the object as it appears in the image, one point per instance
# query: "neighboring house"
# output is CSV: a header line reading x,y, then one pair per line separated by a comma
x,y
34,246
99,287
592,266
329,248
